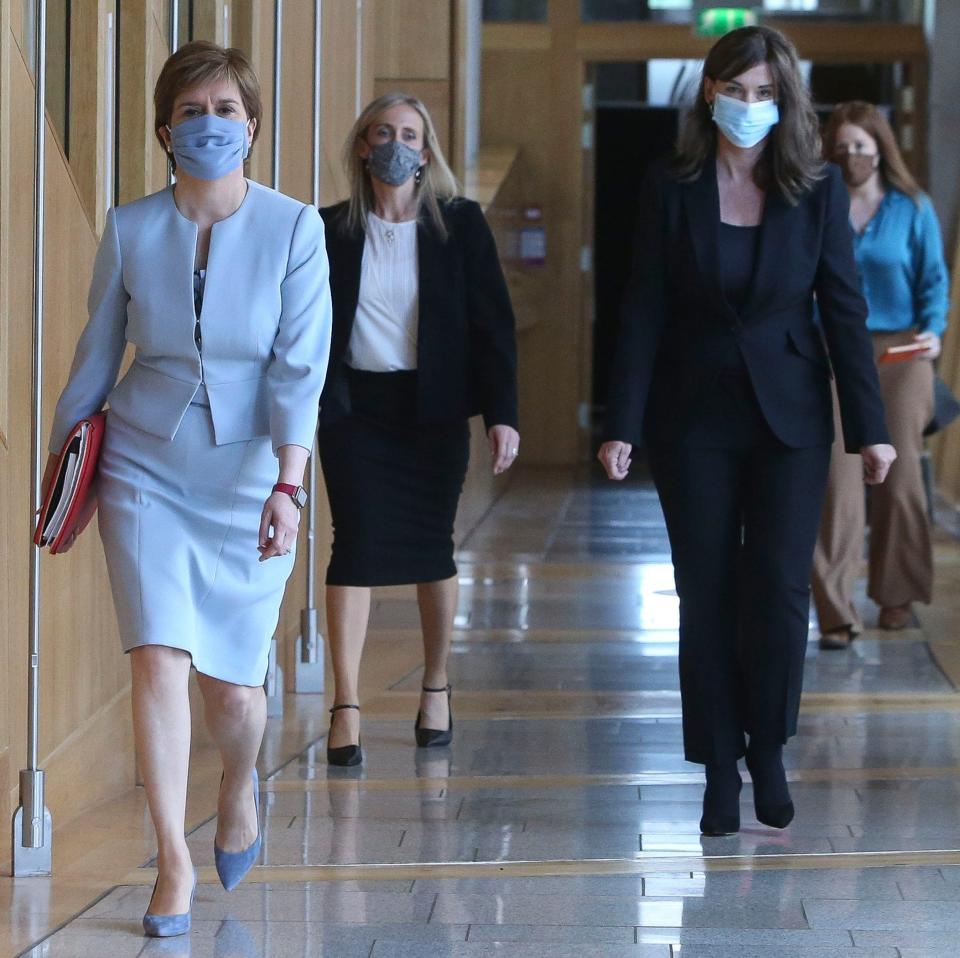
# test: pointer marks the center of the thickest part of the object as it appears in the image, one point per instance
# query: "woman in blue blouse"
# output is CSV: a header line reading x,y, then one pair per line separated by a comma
x,y
900,256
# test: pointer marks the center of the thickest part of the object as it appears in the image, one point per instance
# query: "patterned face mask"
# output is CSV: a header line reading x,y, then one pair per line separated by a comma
x,y
393,163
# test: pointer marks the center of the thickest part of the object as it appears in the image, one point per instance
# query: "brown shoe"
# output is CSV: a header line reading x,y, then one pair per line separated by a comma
x,y
895,617
837,638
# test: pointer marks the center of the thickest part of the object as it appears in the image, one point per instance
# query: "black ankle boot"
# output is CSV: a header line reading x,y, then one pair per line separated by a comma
x,y
721,800
771,795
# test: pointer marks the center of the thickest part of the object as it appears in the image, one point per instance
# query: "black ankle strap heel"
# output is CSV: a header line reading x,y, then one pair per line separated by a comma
x,y
432,737
347,755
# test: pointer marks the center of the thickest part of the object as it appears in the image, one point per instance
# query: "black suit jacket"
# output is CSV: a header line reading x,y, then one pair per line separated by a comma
x,y
466,348
677,329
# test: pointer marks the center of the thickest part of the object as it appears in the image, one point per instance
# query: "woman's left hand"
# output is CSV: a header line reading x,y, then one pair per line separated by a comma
x,y
281,513
504,447
932,342
877,461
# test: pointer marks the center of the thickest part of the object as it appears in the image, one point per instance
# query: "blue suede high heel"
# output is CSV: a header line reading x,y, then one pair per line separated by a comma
x,y
233,866
169,926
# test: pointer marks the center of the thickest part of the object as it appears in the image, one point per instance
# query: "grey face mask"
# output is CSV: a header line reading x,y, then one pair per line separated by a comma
x,y
393,163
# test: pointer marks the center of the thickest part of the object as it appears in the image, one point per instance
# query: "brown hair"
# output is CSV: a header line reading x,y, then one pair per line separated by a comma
x,y
893,169
196,64
791,162
437,181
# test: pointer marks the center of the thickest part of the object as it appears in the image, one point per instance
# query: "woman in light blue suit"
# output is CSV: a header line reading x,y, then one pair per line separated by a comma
x,y
221,286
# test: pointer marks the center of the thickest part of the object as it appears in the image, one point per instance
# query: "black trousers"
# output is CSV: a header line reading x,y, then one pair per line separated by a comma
x,y
742,512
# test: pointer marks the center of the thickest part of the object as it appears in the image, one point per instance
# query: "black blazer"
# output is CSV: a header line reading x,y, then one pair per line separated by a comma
x,y
466,346
677,329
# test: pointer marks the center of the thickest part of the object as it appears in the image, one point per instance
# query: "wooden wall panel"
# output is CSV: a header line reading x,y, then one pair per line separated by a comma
x,y
144,49
88,73
413,39
208,22
253,26
82,673
7,48
296,149
342,93
8,685
519,108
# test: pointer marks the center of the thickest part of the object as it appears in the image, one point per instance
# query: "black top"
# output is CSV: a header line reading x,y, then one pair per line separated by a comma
x,y
677,326
199,280
738,254
466,346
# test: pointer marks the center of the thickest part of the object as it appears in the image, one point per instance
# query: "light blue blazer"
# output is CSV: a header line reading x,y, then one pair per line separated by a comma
x,y
265,322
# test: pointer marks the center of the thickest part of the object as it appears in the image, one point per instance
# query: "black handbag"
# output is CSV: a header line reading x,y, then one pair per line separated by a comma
x,y
946,407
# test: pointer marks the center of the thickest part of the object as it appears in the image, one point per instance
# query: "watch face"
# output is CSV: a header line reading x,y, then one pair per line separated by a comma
x,y
300,497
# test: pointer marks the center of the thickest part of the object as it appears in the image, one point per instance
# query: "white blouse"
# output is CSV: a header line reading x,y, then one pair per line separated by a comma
x,y
384,336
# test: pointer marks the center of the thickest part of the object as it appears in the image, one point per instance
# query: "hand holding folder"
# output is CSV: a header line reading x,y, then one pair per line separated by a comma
x,y
70,500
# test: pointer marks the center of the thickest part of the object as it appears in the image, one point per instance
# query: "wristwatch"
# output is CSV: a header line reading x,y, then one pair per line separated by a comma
x,y
297,493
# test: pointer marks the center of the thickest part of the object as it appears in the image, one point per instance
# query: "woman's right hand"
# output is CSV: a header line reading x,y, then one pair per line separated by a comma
x,y
615,458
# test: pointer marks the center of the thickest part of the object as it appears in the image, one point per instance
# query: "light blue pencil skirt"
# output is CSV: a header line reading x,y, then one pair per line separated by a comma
x,y
179,521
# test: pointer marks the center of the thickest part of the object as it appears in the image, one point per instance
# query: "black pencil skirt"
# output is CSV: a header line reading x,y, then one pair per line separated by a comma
x,y
393,485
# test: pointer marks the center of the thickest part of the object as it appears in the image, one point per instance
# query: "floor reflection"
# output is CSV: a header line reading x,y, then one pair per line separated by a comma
x,y
564,813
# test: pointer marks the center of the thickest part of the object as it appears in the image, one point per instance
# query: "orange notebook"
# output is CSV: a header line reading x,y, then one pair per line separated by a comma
x,y
70,503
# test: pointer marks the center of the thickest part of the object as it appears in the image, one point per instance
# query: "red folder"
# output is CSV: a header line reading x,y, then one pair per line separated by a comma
x,y
70,502
898,354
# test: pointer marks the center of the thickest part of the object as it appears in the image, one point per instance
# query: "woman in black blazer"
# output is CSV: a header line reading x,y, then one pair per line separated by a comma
x,y
423,339
722,372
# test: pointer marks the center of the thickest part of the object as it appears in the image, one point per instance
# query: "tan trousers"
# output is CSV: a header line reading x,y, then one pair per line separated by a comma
x,y
901,557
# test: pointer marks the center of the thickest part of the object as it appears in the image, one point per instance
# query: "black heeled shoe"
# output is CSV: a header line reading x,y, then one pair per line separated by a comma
x,y
346,755
771,794
721,801
433,737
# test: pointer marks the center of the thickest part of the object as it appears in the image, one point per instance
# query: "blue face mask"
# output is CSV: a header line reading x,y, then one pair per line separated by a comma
x,y
209,146
744,124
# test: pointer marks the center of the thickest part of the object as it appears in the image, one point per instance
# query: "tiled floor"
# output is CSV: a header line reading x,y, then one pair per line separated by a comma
x,y
563,820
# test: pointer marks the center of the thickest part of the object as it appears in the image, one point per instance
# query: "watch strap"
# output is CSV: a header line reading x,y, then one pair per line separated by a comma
x,y
296,493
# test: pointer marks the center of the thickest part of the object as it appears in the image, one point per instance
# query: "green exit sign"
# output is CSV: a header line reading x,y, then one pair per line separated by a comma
x,y
716,21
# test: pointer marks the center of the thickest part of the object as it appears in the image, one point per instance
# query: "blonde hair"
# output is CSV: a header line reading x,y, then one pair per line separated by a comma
x,y
437,181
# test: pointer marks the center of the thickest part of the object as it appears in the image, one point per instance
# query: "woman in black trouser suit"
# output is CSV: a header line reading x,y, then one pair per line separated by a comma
x,y
722,371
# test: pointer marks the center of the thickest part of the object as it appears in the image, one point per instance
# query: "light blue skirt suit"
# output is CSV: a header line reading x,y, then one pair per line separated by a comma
x,y
189,455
